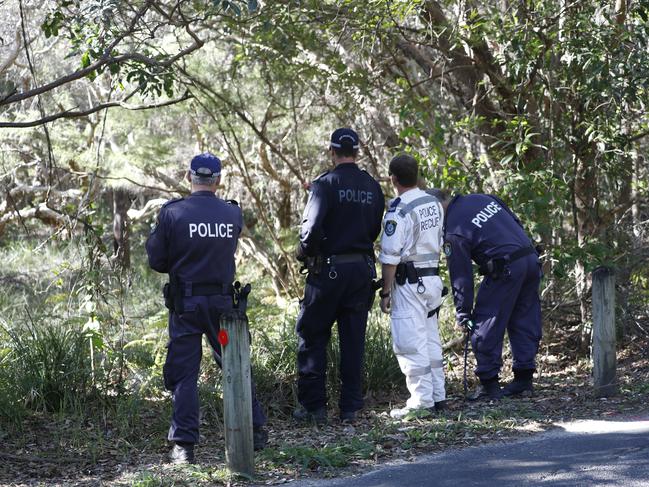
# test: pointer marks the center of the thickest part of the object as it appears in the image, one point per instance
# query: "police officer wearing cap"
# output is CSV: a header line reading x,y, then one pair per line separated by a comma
x,y
481,228
194,241
342,219
412,289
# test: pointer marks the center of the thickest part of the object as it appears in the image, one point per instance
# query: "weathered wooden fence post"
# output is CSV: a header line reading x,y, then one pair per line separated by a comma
x,y
604,361
237,395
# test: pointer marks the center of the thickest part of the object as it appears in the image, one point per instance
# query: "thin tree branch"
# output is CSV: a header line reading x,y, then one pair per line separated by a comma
x,y
213,93
638,136
135,183
90,111
41,110
106,59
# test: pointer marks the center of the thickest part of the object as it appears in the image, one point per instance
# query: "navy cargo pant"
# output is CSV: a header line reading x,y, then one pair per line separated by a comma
x,y
181,369
510,303
345,299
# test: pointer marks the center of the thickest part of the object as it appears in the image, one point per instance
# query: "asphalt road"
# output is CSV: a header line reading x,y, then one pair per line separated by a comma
x,y
589,453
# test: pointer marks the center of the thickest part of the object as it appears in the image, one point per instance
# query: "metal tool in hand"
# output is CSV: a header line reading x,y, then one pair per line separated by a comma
x,y
469,328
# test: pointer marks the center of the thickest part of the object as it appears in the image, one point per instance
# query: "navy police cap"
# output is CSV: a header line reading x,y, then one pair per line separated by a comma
x,y
344,138
206,165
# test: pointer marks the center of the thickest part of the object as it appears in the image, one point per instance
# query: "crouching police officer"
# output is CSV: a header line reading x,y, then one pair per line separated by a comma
x,y
342,219
194,241
412,289
482,228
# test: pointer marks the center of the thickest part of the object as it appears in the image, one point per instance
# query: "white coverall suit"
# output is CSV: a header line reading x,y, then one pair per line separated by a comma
x,y
412,231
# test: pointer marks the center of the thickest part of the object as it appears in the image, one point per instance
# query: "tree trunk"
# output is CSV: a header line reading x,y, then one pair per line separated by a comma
x,y
121,244
585,219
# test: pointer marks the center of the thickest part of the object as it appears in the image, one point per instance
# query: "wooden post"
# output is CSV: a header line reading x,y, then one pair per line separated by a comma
x,y
604,361
237,395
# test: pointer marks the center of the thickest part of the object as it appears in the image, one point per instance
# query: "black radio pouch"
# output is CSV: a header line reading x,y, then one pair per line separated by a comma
x,y
411,273
174,296
400,276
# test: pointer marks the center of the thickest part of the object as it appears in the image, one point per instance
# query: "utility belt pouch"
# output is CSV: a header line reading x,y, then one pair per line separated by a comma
x,y
168,295
400,275
176,294
494,268
314,264
411,273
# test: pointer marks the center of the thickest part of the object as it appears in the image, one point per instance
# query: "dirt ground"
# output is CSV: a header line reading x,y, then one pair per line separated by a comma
x,y
52,450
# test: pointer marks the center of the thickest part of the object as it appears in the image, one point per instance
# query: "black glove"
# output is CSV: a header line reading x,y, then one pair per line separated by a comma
x,y
377,285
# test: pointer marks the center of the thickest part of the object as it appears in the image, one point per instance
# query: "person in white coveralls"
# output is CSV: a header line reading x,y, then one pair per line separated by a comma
x,y
412,289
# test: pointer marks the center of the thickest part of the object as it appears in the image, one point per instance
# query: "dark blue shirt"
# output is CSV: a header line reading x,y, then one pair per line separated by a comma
x,y
343,214
477,227
196,238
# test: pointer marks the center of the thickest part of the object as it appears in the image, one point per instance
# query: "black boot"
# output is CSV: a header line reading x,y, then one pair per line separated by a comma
x,y
441,407
521,385
348,416
318,416
488,389
182,453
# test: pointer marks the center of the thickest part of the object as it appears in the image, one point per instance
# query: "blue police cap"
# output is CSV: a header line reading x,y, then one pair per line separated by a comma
x,y
205,165
344,138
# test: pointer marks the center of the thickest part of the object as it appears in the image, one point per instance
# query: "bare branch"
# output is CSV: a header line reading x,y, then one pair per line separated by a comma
x,y
205,88
638,136
90,111
42,212
172,191
149,208
106,59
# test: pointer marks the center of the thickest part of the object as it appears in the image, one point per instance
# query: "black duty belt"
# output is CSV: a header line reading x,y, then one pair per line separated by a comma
x,y
346,258
175,291
204,288
427,271
496,265
520,253
407,272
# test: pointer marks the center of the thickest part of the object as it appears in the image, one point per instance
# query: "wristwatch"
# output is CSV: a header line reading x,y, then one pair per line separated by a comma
x,y
382,295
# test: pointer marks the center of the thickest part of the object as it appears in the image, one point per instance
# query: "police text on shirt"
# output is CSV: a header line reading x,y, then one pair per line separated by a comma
x,y
355,196
213,230
487,212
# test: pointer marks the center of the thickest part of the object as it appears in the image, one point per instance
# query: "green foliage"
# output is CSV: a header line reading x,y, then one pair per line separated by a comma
x,y
554,96
330,456
147,479
44,367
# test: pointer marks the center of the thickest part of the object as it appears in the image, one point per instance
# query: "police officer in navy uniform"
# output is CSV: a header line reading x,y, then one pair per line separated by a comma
x,y
194,241
342,219
482,229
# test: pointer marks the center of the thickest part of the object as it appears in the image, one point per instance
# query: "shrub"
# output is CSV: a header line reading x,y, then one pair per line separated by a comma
x,y
45,366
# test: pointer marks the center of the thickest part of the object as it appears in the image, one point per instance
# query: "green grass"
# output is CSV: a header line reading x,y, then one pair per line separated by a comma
x,y
81,354
147,479
311,458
